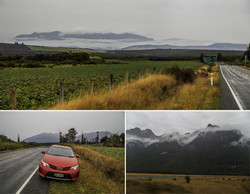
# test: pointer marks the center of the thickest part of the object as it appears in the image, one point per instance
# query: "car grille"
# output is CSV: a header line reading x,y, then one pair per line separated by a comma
x,y
57,168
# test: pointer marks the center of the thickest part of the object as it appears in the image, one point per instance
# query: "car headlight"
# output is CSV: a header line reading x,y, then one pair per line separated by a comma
x,y
74,167
44,163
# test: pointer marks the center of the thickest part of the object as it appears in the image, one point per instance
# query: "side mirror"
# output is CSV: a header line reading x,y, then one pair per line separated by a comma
x,y
43,152
77,156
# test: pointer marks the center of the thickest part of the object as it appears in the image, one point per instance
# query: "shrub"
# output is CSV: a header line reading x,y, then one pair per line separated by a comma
x,y
187,179
185,75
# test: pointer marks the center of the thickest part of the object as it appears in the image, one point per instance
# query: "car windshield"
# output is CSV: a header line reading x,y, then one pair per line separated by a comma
x,y
59,151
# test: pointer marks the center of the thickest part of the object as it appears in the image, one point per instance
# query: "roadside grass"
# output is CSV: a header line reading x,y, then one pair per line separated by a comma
x,y
198,184
115,152
199,95
155,92
7,146
151,186
98,174
143,94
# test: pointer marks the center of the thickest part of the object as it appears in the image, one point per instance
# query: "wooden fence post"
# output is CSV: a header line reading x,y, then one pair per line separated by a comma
x,y
61,92
126,77
13,99
111,82
91,88
147,72
154,69
138,74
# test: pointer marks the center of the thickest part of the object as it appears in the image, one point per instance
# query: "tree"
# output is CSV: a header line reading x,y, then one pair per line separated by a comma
x,y
71,135
219,57
83,140
201,57
122,138
247,52
97,137
18,138
104,140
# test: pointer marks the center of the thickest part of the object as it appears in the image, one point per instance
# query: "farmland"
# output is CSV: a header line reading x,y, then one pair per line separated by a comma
x,y
39,88
167,183
115,152
62,49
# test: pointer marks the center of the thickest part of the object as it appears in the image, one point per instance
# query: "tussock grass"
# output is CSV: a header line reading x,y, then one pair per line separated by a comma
x,y
143,94
111,167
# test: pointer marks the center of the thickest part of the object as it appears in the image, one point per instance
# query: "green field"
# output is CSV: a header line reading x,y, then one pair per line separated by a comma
x,y
115,152
61,49
39,88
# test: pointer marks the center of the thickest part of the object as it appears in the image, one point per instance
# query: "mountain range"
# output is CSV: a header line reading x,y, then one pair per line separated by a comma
x,y
120,41
57,35
215,46
54,137
210,150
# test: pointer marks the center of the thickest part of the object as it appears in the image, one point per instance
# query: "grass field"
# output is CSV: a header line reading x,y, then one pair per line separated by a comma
x,y
115,152
39,88
98,174
61,49
177,184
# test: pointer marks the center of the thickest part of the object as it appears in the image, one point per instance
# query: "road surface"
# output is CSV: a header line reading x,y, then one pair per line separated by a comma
x,y
235,88
17,167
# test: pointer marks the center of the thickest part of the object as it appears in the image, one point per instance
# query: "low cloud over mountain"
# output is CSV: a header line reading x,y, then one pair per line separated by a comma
x,y
210,150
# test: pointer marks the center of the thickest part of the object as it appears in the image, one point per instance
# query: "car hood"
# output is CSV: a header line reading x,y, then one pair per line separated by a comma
x,y
60,160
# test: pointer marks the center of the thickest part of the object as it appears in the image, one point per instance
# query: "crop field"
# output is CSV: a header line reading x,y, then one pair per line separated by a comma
x,y
40,87
152,183
61,49
115,152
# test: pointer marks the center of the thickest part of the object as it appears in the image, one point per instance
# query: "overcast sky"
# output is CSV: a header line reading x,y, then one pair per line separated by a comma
x,y
212,20
165,122
29,123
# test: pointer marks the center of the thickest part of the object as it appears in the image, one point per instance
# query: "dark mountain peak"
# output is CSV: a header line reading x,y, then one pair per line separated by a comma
x,y
212,126
147,133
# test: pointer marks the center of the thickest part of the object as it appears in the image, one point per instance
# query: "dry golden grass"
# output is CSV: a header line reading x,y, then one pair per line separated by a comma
x,y
198,184
155,92
111,167
96,175
197,96
143,94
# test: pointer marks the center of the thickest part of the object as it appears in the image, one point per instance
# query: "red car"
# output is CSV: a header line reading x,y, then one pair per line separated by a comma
x,y
59,162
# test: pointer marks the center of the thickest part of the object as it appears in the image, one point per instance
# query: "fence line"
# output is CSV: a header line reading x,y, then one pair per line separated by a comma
x,y
91,86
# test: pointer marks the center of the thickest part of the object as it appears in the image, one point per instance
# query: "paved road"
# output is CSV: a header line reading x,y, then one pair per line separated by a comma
x,y
235,88
16,167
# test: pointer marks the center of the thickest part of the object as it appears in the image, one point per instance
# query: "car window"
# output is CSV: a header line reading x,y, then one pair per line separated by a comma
x,y
59,151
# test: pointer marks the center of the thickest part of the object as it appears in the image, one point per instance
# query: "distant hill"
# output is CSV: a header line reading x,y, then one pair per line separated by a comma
x,y
7,49
44,138
57,35
210,150
54,137
216,46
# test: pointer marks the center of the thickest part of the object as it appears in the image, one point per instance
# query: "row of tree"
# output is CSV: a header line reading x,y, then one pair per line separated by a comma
x,y
114,140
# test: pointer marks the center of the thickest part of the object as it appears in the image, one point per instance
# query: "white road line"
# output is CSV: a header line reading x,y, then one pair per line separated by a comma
x,y
26,182
235,98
